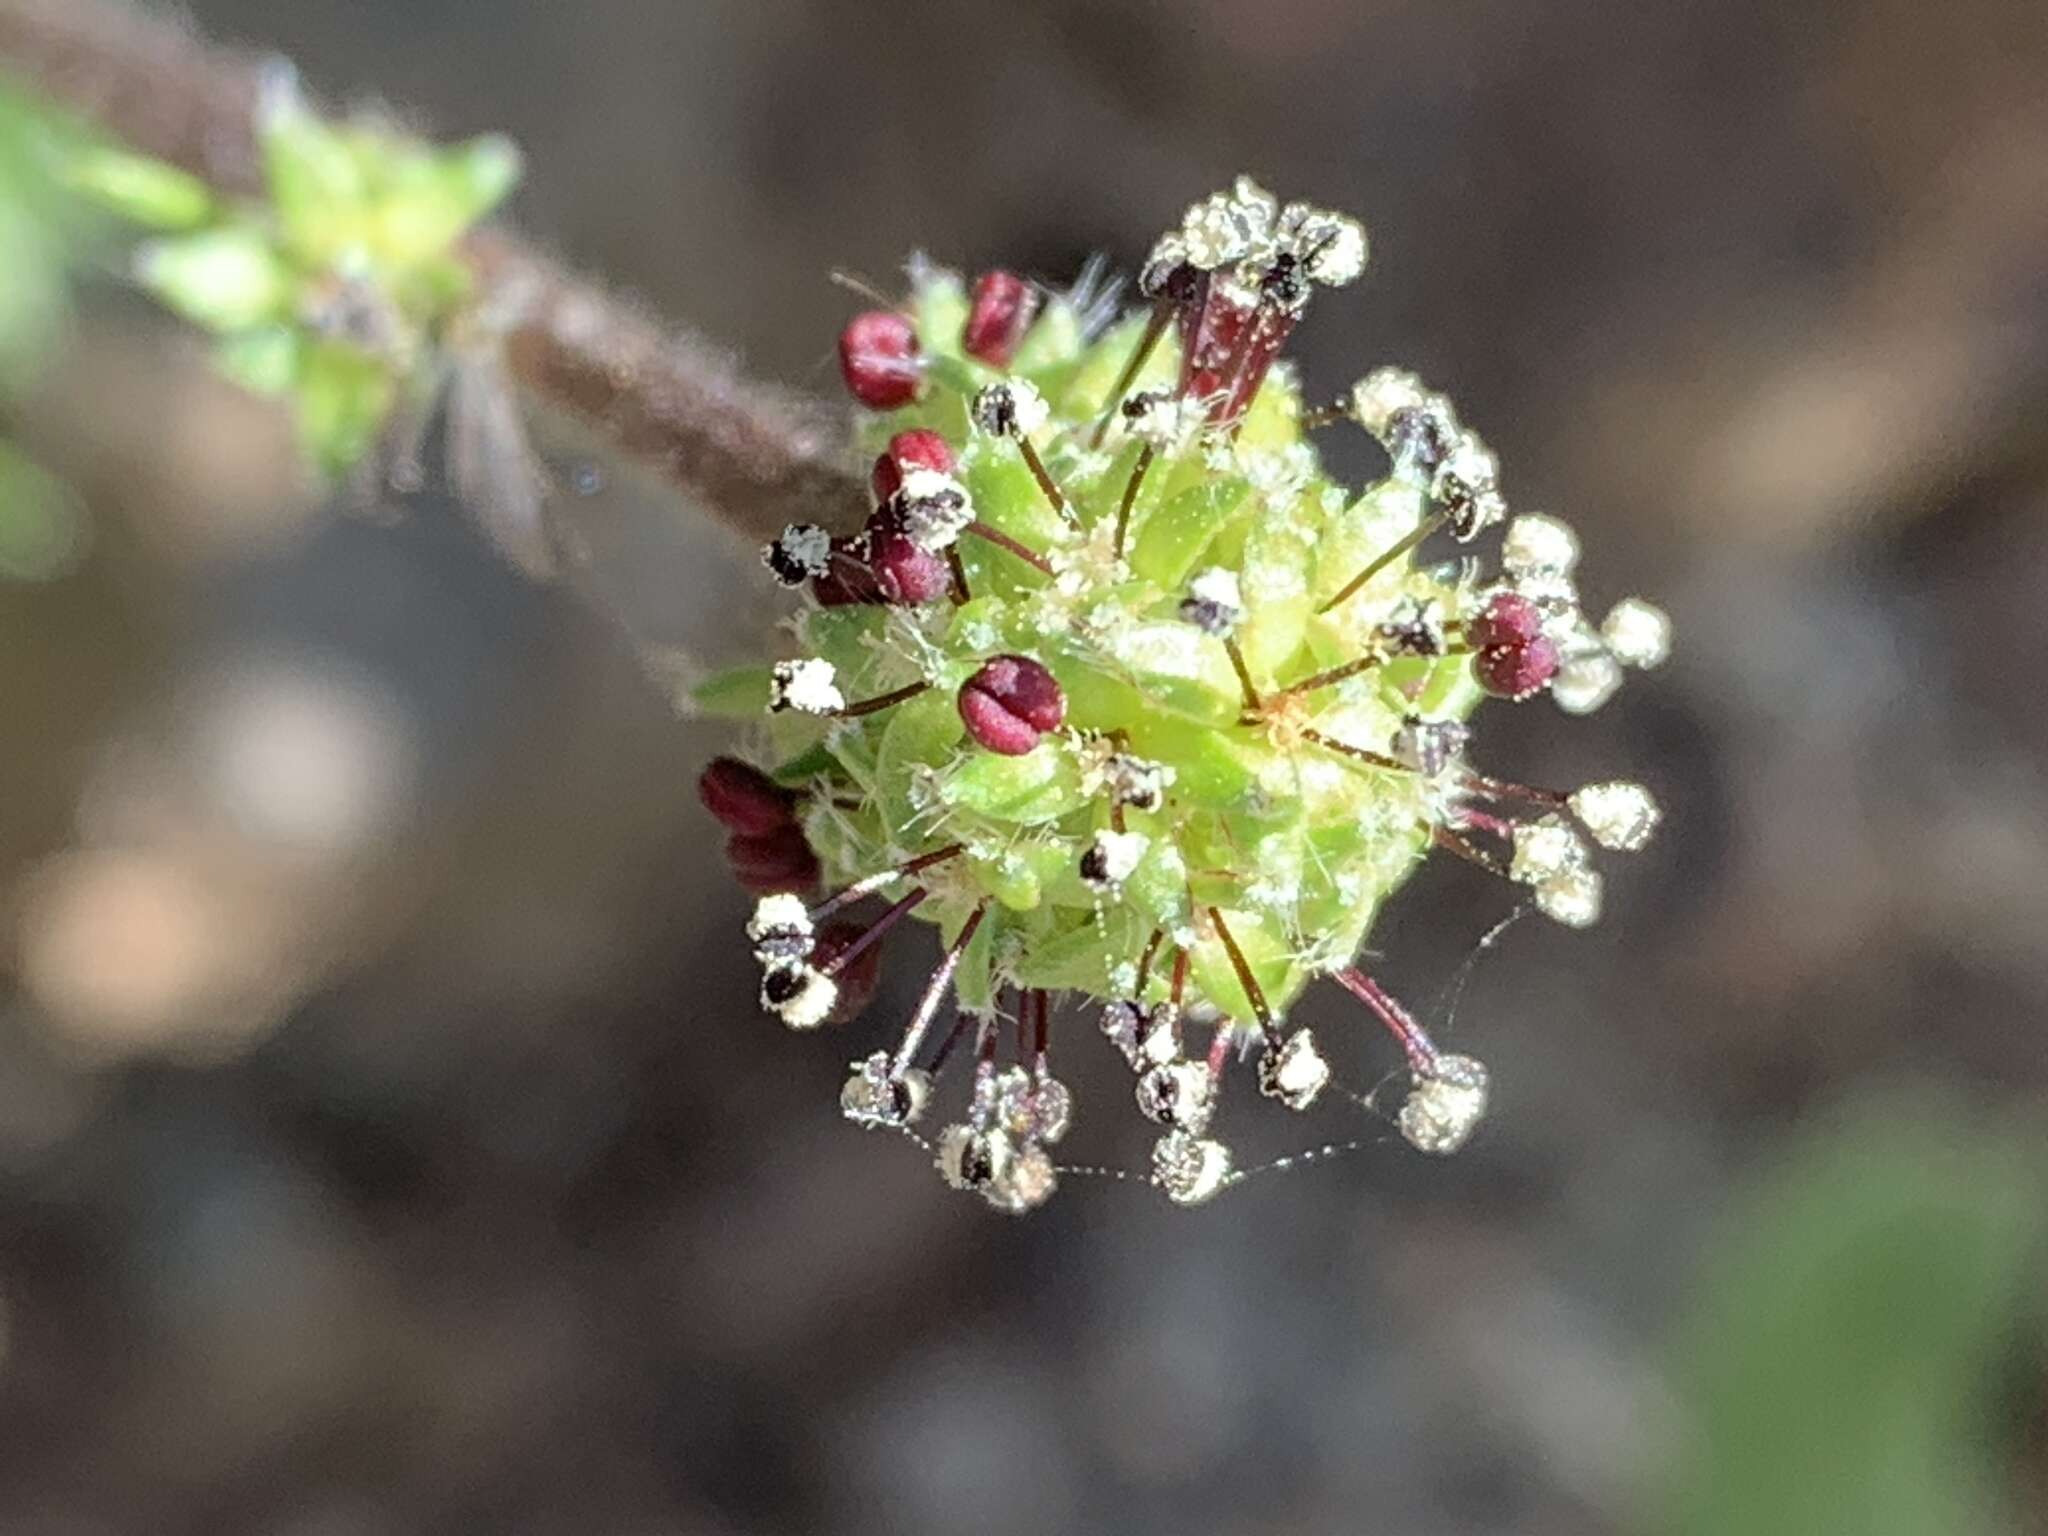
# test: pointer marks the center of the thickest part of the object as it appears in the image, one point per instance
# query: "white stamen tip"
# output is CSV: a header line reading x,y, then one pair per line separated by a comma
x,y
1537,545
1446,1106
1571,898
806,686
1638,633
1190,1168
1619,814
1544,850
1296,1072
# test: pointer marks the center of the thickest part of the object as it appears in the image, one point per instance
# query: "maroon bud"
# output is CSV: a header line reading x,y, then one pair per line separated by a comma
x,y
1003,307
773,863
1010,703
904,573
919,448
744,799
1516,671
861,974
1507,619
848,578
878,356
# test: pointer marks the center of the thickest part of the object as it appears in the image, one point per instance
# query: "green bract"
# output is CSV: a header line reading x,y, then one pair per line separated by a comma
x,y
335,287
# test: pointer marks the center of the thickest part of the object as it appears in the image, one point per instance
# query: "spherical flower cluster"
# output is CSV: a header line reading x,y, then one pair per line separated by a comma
x,y
1118,689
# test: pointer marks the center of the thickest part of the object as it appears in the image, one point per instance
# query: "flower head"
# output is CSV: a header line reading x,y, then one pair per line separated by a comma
x,y
1124,694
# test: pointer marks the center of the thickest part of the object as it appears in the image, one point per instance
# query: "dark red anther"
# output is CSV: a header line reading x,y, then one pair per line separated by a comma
x,y
878,356
1228,341
1002,311
860,975
1507,619
744,799
905,573
773,863
919,448
1010,703
848,579
1516,671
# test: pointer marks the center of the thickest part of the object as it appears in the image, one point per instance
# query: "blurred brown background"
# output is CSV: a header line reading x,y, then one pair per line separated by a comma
x,y
388,1142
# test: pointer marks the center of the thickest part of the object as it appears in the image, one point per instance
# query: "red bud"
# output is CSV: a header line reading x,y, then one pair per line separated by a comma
x,y
919,448
743,798
773,863
1010,703
878,356
1516,671
1002,311
1507,619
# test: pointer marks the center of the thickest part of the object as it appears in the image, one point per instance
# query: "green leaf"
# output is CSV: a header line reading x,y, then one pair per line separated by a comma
x,y
1178,668
923,733
1266,951
1211,768
1084,956
141,190
1364,531
814,762
264,361
1173,539
1037,787
344,397
974,983
319,189
431,196
225,279
42,522
1848,1351
738,693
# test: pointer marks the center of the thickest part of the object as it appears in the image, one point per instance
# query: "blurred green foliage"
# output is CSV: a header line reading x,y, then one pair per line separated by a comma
x,y
1843,1369
42,527
335,290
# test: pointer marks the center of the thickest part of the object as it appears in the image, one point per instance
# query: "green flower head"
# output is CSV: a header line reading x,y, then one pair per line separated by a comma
x,y
1124,694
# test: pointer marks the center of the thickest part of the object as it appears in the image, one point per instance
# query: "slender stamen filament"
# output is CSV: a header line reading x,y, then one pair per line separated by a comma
x,y
1219,1049
1041,1034
1333,676
1036,465
953,1037
1123,511
880,701
1180,976
1002,540
1244,675
1415,1041
1499,826
1253,994
1155,327
1324,416
1450,842
868,884
1145,960
935,989
1364,755
880,926
1415,536
1504,790
960,592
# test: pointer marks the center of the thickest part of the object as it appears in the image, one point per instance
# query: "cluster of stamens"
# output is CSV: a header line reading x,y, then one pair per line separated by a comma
x,y
1120,692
